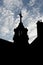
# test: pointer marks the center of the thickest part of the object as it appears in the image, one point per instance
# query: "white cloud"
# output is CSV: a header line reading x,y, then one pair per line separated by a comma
x,y
13,4
6,21
4,31
31,2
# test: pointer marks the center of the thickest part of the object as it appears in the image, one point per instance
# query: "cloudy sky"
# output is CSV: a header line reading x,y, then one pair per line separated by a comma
x,y
32,11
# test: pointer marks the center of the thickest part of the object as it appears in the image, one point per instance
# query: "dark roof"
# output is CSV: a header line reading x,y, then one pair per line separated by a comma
x,y
38,42
4,43
35,43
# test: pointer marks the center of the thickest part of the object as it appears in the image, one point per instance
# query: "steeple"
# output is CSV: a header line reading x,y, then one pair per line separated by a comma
x,y
21,38
20,16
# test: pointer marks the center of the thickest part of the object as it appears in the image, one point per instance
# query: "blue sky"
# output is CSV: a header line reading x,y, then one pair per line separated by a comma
x,y
32,11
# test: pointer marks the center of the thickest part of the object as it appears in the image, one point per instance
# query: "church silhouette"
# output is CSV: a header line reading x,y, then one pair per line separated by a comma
x,y
21,38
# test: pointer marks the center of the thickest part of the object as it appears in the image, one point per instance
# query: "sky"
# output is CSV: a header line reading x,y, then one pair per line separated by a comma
x,y
32,11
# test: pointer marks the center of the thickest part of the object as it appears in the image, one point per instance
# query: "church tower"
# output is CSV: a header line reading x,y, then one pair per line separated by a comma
x,y
21,38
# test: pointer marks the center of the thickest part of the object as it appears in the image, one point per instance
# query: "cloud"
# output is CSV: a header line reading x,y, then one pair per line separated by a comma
x,y
31,2
4,31
13,4
6,21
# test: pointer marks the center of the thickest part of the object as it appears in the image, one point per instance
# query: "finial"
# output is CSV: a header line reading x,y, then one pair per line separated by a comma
x,y
20,16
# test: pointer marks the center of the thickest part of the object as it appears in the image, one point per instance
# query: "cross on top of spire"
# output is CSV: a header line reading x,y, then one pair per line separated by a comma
x,y
20,16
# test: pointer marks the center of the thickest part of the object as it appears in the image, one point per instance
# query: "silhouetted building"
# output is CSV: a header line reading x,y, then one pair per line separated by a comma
x,y
38,42
21,37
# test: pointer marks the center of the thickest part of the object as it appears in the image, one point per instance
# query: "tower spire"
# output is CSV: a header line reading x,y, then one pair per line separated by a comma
x,y
20,16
